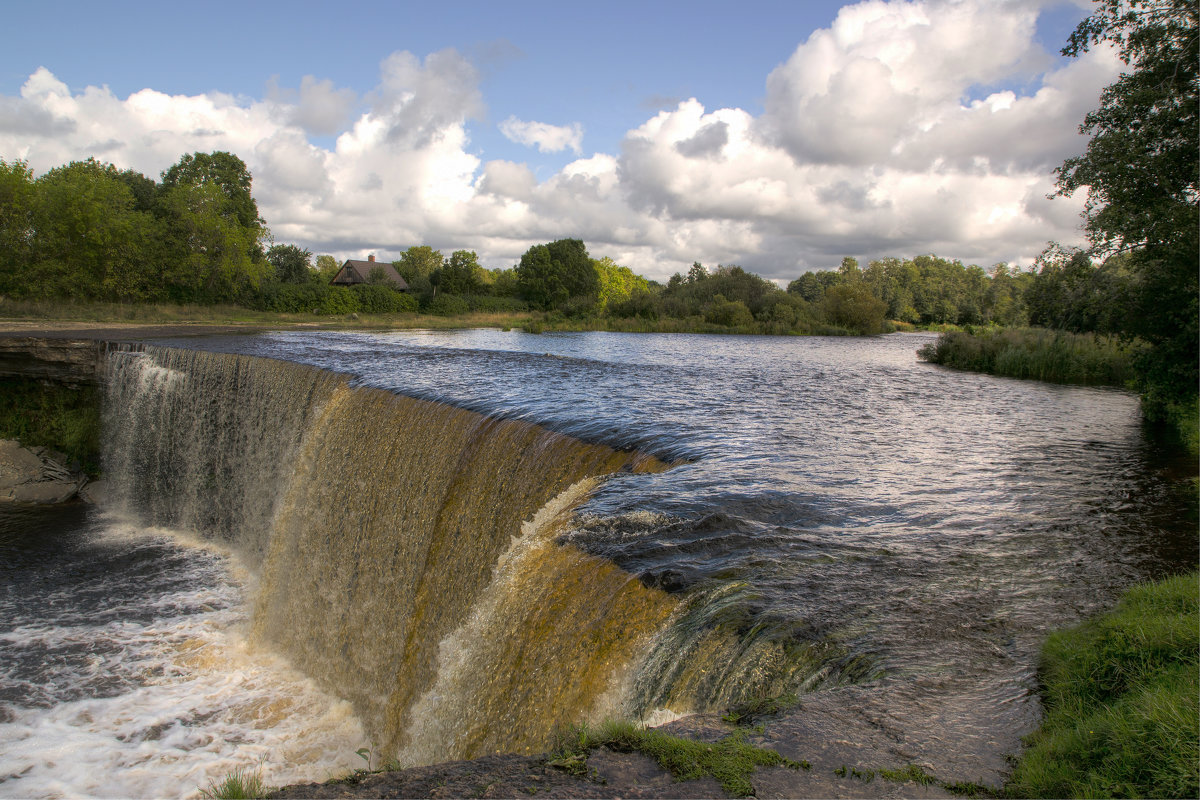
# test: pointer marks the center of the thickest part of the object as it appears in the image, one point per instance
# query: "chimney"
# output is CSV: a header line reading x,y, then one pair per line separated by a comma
x,y
371,257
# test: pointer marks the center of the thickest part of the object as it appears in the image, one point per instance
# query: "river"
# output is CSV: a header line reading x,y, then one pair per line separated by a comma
x,y
827,516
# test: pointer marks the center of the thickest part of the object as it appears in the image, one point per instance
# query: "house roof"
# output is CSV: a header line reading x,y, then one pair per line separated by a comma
x,y
358,272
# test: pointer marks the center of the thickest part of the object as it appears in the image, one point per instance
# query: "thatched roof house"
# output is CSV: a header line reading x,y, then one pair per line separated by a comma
x,y
353,272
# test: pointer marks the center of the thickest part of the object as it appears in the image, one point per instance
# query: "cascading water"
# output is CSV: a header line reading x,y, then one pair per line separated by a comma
x,y
305,566
384,528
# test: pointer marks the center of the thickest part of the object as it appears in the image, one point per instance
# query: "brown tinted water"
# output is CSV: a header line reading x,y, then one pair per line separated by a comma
x,y
472,536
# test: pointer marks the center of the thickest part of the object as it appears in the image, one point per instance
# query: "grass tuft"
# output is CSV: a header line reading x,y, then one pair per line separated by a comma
x,y
241,784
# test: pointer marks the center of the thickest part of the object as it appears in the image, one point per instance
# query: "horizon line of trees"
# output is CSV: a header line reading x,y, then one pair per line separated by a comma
x,y
88,231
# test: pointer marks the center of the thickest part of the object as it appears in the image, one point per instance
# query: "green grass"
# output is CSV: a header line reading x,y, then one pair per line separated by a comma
x,y
730,761
55,416
758,708
1121,702
1035,353
241,784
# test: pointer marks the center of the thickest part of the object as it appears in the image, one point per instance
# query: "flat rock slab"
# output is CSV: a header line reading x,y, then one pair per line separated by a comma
x,y
33,475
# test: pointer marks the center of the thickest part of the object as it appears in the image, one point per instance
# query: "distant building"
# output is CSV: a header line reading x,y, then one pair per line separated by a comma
x,y
353,272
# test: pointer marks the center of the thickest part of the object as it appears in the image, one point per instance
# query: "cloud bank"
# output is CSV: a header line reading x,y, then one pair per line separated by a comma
x,y
879,136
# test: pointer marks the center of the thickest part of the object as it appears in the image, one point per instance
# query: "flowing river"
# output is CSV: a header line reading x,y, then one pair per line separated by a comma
x,y
443,544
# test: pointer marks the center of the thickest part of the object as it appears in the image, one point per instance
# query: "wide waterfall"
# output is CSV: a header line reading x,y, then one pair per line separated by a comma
x,y
405,550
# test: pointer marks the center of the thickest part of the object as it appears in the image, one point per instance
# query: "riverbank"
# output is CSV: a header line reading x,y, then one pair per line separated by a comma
x,y
1059,357
862,748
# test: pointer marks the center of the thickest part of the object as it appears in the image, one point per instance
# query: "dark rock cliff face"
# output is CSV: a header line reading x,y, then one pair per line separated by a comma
x,y
69,361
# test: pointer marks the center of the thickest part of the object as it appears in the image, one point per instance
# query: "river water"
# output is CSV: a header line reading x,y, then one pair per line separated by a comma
x,y
838,518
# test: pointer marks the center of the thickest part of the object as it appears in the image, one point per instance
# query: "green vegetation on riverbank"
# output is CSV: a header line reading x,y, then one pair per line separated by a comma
x,y
1037,353
1121,702
55,416
730,761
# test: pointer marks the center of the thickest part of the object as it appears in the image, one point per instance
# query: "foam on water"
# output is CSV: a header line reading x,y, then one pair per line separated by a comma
x,y
161,703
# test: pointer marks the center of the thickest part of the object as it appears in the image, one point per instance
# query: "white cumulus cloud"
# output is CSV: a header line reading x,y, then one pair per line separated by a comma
x,y
546,138
903,128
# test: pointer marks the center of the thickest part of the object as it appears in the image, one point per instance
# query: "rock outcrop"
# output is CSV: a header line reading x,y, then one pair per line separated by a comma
x,y
68,361
35,475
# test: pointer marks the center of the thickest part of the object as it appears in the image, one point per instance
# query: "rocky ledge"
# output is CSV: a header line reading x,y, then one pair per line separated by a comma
x,y
37,475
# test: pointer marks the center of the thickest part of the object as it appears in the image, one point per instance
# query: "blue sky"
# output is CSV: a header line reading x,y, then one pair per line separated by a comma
x,y
493,126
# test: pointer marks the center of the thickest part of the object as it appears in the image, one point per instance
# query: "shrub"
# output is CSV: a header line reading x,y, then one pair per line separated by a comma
x,y
338,300
447,305
380,299
496,305
730,313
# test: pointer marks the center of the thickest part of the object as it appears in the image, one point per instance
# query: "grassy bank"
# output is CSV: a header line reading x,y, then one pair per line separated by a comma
x,y
731,761
1035,353
50,415
1121,702
27,311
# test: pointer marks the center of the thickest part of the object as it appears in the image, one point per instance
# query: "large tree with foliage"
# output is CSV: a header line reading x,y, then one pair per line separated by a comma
x,y
460,274
1141,171
223,170
552,275
417,266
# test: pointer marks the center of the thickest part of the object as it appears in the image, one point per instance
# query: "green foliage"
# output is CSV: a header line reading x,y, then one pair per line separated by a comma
x,y
460,274
1070,293
1141,171
88,240
382,299
241,784
417,266
730,761
55,416
16,223
552,275
854,307
730,313
447,305
617,283
1037,354
502,305
227,174
327,267
1121,702
293,264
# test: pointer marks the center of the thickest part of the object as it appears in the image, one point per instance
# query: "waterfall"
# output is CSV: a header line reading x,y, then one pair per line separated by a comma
x,y
405,549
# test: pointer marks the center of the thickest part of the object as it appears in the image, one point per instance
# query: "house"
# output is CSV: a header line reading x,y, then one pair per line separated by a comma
x,y
353,272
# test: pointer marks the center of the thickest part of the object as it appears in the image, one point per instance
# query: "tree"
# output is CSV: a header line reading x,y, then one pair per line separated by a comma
x,y
212,259
90,242
292,263
1141,171
459,274
555,274
16,222
223,170
417,265
327,266
852,306
617,283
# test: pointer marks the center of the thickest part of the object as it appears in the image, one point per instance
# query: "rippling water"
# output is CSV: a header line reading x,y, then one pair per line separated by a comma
x,y
929,525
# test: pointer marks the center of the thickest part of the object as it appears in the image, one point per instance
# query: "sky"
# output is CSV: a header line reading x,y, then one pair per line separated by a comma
x,y
779,136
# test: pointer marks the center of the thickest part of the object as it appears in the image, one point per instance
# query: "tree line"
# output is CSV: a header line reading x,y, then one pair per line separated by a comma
x,y
88,231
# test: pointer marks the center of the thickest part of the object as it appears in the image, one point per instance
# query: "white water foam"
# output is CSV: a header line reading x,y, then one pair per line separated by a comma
x,y
191,700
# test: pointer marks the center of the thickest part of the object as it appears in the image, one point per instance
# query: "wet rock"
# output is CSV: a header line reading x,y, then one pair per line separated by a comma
x,y
35,475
